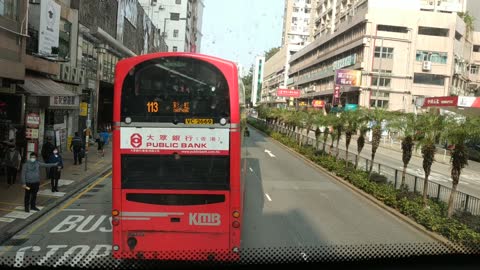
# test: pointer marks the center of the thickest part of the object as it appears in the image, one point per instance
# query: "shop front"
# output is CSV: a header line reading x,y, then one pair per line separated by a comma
x,y
53,107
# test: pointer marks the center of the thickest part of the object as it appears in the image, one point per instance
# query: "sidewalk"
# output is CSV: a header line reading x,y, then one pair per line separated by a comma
x,y
74,177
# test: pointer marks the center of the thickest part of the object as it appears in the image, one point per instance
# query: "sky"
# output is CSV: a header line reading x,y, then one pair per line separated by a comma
x,y
239,30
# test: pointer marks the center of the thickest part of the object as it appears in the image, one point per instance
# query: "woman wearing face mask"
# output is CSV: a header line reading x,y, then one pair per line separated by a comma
x,y
55,171
31,180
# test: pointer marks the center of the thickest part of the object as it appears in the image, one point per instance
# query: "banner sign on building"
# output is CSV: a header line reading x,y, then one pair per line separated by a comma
x,y
83,109
295,93
31,133
48,34
440,102
64,101
318,103
470,102
345,62
33,120
348,77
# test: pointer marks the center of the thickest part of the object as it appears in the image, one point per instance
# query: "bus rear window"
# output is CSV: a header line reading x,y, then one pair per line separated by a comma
x,y
172,89
175,172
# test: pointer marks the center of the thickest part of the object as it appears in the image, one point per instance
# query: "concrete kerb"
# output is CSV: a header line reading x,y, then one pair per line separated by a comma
x,y
12,229
447,243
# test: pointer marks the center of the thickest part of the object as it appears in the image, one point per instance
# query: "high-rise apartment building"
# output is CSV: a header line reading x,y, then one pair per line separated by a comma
x,y
179,20
297,21
404,49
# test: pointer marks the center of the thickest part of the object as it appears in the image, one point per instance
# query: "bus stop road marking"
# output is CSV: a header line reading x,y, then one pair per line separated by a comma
x,y
70,202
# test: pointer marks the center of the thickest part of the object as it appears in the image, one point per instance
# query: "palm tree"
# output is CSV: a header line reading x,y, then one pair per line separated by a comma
x,y
457,133
406,125
431,125
363,128
350,120
308,120
377,116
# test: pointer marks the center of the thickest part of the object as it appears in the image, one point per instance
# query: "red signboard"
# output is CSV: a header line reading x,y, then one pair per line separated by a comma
x,y
33,120
318,103
440,102
288,93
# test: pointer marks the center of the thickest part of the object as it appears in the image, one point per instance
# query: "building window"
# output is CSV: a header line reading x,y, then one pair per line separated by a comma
x,y
385,53
296,9
474,69
174,48
307,10
430,79
432,31
381,103
8,8
476,48
174,16
294,19
175,33
178,2
64,38
392,28
434,57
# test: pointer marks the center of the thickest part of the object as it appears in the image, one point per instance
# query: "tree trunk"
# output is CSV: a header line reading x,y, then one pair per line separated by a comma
x,y
404,172
425,190
453,192
356,161
338,149
428,153
346,157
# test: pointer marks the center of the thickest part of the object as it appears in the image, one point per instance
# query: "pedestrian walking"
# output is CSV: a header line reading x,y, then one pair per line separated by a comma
x,y
77,146
31,181
55,172
47,150
13,160
100,142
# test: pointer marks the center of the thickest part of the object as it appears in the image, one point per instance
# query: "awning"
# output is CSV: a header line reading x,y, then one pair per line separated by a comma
x,y
42,86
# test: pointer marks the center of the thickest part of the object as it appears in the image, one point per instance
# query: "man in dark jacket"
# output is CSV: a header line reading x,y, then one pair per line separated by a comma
x,y
47,149
31,180
77,146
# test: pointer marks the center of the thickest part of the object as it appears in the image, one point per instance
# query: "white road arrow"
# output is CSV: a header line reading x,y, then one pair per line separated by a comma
x,y
269,153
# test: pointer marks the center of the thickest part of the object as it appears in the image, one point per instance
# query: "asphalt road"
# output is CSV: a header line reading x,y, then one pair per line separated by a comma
x,y
289,205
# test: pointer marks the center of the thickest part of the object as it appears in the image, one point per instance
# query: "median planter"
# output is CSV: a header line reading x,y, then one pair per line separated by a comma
x,y
410,204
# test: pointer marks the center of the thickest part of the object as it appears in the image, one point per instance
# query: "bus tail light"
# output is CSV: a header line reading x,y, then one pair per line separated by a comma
x,y
115,222
115,213
236,224
236,214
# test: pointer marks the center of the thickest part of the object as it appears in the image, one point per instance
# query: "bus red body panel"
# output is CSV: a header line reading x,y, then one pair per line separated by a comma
x,y
153,217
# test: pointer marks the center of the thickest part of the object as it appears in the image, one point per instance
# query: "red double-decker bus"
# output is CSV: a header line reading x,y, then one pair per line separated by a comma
x,y
177,158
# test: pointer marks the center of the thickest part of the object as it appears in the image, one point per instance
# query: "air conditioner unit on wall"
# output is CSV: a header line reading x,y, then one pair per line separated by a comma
x,y
427,65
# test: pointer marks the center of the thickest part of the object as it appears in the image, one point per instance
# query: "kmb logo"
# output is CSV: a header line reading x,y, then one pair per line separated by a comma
x,y
136,140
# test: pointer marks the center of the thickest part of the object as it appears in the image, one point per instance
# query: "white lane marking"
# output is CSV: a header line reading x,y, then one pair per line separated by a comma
x,y
269,153
268,197
74,209
22,208
250,169
8,220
